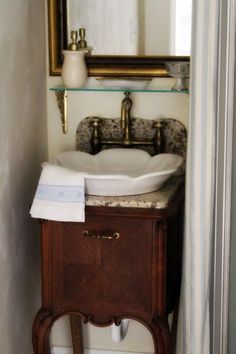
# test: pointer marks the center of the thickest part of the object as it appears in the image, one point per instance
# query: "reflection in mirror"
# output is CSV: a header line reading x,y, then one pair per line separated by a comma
x,y
120,65
134,27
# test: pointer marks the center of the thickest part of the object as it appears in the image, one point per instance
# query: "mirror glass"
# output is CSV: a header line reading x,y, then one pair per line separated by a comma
x,y
133,27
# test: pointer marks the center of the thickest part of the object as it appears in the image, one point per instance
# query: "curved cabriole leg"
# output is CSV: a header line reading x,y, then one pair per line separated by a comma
x,y
41,331
159,329
77,334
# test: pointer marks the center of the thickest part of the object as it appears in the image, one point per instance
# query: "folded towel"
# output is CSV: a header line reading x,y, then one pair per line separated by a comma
x,y
59,195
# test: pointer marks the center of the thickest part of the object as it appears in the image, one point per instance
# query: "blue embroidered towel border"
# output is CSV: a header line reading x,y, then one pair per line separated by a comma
x,y
60,195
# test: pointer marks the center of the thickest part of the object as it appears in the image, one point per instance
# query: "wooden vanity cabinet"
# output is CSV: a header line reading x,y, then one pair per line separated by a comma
x,y
120,263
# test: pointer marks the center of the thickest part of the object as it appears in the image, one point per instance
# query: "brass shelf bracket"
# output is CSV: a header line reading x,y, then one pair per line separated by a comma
x,y
61,96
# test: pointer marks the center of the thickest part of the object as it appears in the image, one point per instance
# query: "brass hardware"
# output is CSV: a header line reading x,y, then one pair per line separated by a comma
x,y
159,140
95,138
74,45
132,143
125,118
157,124
61,96
115,236
82,42
97,141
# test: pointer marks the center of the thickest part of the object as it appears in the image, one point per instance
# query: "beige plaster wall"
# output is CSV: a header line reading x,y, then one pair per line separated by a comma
x,y
23,144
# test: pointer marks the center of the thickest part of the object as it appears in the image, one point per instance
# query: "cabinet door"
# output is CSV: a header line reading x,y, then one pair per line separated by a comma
x,y
102,275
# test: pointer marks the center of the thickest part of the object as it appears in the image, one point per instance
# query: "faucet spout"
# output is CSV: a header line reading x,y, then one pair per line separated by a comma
x,y
127,139
125,118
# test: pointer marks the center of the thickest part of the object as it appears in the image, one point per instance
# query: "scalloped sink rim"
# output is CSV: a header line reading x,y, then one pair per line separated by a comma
x,y
120,172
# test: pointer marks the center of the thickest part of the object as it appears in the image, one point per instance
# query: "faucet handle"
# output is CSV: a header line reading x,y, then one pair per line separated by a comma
x,y
158,124
95,122
159,140
95,137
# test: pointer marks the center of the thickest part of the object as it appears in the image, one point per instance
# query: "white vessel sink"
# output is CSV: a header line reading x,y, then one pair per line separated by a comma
x,y
118,172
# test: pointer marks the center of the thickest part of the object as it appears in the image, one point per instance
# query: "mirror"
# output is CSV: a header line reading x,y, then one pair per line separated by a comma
x,y
151,36
148,27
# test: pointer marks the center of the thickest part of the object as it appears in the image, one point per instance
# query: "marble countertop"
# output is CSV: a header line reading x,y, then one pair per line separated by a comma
x,y
155,200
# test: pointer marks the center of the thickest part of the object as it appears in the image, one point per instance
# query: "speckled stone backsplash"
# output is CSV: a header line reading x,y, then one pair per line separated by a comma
x,y
174,132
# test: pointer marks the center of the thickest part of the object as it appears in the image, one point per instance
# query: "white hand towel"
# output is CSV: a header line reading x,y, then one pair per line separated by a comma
x,y
59,195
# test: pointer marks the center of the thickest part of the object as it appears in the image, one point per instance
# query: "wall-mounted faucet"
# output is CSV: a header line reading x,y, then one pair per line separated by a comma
x,y
127,140
125,118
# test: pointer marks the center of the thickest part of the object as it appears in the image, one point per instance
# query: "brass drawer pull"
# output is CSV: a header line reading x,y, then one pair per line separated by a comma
x,y
115,236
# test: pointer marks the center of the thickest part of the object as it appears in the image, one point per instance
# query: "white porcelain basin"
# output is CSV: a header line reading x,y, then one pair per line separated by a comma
x,y
115,172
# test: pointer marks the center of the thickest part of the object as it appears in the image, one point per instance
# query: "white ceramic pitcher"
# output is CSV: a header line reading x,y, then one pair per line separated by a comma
x,y
74,71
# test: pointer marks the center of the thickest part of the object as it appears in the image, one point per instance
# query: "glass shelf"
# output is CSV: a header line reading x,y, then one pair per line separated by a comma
x,y
61,93
109,89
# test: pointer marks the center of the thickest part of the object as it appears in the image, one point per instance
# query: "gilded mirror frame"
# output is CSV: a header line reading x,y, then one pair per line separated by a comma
x,y
100,65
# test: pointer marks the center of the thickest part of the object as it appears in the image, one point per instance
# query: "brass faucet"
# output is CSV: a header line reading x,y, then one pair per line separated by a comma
x,y
125,119
125,122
